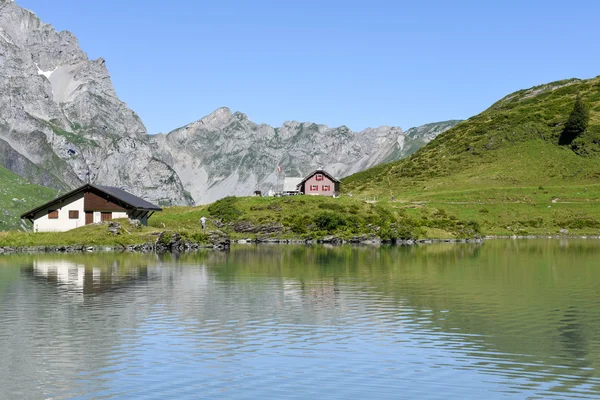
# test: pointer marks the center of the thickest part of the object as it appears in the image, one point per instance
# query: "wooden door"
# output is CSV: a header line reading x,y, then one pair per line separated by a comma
x,y
105,216
89,217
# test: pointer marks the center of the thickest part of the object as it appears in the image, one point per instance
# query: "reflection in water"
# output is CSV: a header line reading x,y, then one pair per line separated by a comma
x,y
80,278
502,319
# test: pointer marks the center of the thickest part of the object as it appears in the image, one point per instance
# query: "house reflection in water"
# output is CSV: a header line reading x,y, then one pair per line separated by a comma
x,y
323,291
75,277
312,301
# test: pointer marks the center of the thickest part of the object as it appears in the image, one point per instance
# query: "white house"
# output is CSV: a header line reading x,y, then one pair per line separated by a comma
x,y
87,205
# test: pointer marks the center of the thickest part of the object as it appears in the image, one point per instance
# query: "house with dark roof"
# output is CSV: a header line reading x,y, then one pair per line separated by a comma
x,y
319,183
86,205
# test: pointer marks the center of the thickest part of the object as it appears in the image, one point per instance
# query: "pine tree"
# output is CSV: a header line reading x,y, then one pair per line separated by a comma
x,y
576,124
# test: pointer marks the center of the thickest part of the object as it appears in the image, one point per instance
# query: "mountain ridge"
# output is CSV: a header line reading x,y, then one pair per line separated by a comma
x,y
220,151
59,110
62,124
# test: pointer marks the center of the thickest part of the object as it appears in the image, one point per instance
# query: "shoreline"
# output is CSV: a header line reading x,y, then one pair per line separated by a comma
x,y
179,245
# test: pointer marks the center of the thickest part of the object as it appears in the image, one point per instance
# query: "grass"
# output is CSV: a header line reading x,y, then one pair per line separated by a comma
x,y
310,217
517,211
440,215
514,142
501,172
297,217
73,138
98,235
90,235
17,196
504,168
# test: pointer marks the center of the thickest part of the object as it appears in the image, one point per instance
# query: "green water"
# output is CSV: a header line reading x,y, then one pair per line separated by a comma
x,y
505,319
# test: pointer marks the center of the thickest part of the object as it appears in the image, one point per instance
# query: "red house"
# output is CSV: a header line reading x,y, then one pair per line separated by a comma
x,y
319,183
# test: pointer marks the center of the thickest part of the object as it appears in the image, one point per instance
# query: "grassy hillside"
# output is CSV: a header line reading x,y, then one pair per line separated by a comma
x,y
501,172
314,217
513,143
504,167
444,215
297,217
17,196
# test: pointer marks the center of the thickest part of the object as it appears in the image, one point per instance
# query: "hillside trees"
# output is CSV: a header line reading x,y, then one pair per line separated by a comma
x,y
576,124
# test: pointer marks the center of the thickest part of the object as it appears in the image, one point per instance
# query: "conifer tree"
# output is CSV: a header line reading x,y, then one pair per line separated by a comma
x,y
576,124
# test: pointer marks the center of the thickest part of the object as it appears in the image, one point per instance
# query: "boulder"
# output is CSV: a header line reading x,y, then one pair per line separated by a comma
x,y
135,223
330,239
114,228
219,240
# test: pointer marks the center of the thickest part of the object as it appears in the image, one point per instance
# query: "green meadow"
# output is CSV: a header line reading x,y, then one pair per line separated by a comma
x,y
499,173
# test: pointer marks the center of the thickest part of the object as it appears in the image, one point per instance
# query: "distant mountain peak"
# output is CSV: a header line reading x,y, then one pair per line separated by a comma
x,y
215,119
59,113
226,154
61,124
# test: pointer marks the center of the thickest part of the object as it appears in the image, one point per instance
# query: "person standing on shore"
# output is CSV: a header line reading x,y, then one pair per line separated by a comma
x,y
203,222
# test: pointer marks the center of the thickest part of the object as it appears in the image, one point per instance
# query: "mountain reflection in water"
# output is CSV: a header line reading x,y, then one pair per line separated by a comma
x,y
503,319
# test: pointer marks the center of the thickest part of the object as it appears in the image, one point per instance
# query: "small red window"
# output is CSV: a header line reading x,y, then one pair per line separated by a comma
x,y
52,214
314,187
319,177
326,188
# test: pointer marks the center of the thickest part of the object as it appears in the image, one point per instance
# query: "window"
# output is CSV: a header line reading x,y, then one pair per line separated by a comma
x,y
314,187
52,214
73,214
319,177
105,216
326,188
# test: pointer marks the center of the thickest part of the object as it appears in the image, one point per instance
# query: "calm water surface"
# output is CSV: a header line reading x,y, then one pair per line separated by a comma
x,y
506,319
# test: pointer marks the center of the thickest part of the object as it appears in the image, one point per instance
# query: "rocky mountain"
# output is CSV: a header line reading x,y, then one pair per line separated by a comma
x,y
415,138
225,153
62,124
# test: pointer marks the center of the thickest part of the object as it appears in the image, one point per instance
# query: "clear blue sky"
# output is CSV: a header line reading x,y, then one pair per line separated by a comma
x,y
354,63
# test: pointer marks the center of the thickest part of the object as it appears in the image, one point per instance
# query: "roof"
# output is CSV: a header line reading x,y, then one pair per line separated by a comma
x,y
134,201
129,200
319,171
291,184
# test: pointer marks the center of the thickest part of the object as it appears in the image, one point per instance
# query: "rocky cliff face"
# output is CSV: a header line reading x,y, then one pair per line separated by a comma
x,y
225,153
61,122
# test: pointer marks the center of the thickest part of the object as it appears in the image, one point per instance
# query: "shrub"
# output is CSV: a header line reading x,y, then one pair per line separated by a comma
x,y
329,221
534,222
166,238
383,216
225,209
332,207
406,232
469,229
440,213
579,223
299,224
198,237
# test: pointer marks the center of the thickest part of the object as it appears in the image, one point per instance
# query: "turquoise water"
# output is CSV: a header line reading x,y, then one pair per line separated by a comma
x,y
505,319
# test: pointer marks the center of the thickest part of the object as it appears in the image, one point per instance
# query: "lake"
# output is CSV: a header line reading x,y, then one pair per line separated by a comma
x,y
503,319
